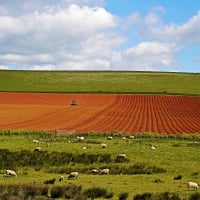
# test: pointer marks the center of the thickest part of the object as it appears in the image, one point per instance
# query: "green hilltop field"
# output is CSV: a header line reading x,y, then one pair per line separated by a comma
x,y
100,82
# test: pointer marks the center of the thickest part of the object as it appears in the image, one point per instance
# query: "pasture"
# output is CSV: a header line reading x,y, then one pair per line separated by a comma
x,y
100,82
164,170
168,168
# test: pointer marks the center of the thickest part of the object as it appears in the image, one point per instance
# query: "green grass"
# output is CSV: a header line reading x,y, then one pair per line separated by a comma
x,y
100,82
177,155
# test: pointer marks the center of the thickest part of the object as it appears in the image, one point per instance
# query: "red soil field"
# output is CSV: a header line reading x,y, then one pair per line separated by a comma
x,y
100,113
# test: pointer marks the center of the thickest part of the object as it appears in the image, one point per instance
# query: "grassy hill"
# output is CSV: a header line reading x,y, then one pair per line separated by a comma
x,y
100,82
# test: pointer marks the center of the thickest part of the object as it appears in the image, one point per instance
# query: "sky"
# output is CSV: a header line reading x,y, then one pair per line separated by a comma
x,y
135,35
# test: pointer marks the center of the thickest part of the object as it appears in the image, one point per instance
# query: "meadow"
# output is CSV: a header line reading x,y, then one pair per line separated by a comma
x,y
162,173
168,168
100,82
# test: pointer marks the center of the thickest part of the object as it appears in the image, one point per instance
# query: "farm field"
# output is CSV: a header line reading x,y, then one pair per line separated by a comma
x,y
168,168
100,113
129,82
159,109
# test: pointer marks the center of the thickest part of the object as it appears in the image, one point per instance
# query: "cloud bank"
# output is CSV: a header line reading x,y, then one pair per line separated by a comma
x,y
83,35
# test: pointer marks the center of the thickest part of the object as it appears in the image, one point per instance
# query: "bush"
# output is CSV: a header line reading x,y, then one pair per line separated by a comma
x,y
167,196
195,196
123,196
145,196
30,191
179,177
72,191
95,192
157,196
57,192
158,181
50,181
109,195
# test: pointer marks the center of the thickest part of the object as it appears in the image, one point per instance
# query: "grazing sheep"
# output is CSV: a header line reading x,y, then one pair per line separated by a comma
x,y
131,137
38,149
192,185
121,158
103,146
61,178
152,147
95,171
9,173
109,138
104,171
80,138
36,141
73,175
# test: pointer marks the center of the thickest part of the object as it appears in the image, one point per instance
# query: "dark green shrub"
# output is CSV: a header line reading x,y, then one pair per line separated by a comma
x,y
145,196
29,191
95,192
195,196
157,196
158,181
105,158
195,174
57,192
72,191
179,177
109,195
50,181
123,196
120,159
44,190
154,169
166,196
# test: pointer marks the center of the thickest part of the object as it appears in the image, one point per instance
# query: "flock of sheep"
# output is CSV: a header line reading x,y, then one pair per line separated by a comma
x,y
74,175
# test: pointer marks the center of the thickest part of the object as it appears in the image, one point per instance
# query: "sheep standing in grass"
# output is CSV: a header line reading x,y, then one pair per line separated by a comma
x,y
73,175
103,146
38,149
80,138
104,171
95,171
152,147
61,178
9,173
109,138
192,185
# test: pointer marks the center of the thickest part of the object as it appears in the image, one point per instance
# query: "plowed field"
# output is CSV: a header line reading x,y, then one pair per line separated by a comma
x,y
100,112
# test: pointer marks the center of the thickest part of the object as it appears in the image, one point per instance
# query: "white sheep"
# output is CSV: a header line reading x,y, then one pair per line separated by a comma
x,y
61,178
109,138
9,173
192,185
152,147
73,175
103,146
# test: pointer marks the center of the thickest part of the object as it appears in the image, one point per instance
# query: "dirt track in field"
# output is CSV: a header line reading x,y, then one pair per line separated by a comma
x,y
100,112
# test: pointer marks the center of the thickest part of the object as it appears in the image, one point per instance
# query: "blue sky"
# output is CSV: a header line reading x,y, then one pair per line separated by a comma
x,y
141,35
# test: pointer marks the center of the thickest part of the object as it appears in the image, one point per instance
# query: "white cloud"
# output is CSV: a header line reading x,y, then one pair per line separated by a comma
x,y
147,56
4,67
189,32
81,34
23,7
58,37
